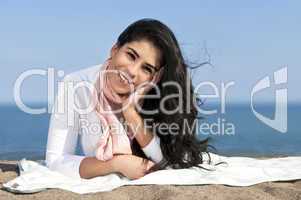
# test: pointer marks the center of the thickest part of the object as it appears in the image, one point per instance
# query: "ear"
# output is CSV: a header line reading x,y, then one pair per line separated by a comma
x,y
114,50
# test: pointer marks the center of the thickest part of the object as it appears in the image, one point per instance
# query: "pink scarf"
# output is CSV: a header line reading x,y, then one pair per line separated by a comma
x,y
115,139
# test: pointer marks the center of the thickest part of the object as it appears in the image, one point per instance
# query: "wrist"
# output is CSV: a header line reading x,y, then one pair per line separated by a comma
x,y
134,118
115,164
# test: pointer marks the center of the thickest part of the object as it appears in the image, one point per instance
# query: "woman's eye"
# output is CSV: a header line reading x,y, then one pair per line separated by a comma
x,y
131,55
148,69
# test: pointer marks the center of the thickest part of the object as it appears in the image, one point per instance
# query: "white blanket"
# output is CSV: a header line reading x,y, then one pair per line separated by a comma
x,y
239,171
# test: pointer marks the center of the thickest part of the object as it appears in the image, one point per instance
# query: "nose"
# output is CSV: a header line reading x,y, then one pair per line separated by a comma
x,y
132,71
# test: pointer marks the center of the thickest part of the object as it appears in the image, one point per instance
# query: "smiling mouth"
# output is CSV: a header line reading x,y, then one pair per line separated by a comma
x,y
124,79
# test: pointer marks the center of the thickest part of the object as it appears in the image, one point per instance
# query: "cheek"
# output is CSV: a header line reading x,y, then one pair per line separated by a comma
x,y
114,65
142,77
113,77
119,60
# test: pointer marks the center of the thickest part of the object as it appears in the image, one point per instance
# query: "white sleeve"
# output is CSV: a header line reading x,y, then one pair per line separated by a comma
x,y
62,138
153,150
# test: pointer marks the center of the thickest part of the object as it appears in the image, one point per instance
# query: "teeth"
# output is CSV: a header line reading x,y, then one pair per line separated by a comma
x,y
123,78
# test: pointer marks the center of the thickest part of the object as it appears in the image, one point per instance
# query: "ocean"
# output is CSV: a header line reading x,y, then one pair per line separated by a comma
x,y
237,132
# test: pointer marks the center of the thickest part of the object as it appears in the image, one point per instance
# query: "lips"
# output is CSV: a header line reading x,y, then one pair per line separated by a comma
x,y
124,79
126,82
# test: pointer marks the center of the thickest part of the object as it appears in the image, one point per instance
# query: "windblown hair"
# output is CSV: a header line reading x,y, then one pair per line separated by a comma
x,y
184,149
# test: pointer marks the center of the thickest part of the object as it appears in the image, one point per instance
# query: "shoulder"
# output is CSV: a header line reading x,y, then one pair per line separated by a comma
x,y
80,83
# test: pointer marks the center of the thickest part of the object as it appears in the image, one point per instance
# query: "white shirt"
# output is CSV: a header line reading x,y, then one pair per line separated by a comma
x,y
67,128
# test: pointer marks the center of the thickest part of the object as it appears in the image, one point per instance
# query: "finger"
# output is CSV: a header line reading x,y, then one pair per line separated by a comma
x,y
137,95
149,165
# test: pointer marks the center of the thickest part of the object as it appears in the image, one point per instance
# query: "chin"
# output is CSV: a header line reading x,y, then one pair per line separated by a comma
x,y
121,90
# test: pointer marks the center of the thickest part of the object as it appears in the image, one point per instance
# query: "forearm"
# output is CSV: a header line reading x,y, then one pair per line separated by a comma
x,y
144,137
142,134
91,167
148,141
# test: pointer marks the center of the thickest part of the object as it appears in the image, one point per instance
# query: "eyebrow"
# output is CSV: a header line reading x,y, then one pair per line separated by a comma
x,y
135,52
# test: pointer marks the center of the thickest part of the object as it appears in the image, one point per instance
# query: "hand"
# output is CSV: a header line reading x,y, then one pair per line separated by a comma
x,y
132,166
136,98
129,111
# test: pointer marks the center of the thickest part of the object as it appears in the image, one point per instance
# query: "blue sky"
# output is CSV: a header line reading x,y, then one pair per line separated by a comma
x,y
246,40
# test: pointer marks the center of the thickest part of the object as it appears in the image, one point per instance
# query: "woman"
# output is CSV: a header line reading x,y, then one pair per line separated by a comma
x,y
145,52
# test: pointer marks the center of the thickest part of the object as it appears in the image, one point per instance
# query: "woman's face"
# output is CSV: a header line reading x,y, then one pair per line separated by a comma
x,y
139,60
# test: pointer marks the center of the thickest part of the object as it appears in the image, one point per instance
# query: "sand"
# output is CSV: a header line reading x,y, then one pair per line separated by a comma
x,y
269,190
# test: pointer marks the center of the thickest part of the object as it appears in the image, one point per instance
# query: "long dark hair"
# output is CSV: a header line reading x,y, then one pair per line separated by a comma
x,y
182,150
